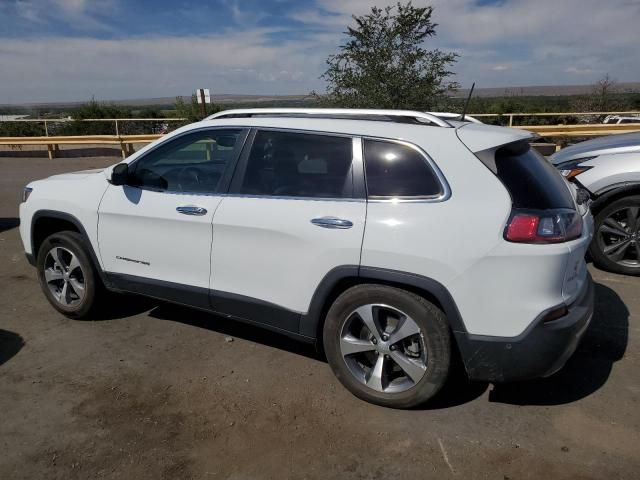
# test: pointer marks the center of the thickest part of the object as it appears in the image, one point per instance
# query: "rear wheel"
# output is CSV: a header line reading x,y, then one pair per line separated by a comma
x,y
387,346
616,245
67,276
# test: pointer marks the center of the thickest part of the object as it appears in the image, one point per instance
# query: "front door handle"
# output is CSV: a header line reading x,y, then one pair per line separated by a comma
x,y
192,210
332,222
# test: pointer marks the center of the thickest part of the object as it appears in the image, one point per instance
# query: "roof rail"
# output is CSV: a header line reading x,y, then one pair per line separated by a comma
x,y
329,112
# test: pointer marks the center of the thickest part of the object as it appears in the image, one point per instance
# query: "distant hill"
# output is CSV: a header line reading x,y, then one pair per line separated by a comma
x,y
544,90
298,100
223,99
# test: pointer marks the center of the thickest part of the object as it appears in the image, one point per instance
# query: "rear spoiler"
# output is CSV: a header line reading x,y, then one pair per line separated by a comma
x,y
479,137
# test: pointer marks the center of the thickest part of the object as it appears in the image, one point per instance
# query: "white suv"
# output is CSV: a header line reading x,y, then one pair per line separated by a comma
x,y
394,239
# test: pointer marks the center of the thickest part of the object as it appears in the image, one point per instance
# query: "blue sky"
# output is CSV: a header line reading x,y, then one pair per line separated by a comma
x,y
59,50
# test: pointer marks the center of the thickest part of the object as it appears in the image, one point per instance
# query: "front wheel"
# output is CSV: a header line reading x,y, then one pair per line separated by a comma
x,y
387,346
67,275
616,243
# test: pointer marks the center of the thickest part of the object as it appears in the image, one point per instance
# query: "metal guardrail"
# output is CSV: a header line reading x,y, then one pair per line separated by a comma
x,y
116,121
579,131
511,116
586,130
53,143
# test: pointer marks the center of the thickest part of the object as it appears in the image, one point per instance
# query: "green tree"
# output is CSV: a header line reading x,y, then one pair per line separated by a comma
x,y
192,110
384,63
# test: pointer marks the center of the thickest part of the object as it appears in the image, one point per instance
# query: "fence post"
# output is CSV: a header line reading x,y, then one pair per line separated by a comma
x,y
46,129
117,132
511,120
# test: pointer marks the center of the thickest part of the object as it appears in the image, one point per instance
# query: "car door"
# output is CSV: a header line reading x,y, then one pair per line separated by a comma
x,y
154,233
294,212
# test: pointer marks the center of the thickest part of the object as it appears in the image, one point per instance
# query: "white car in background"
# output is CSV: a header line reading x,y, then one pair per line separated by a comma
x,y
618,120
607,169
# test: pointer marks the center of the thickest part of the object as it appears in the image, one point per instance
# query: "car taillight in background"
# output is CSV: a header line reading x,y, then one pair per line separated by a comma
x,y
555,226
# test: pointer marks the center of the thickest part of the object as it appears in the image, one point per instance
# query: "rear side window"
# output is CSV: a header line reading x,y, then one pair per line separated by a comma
x,y
288,164
530,179
396,170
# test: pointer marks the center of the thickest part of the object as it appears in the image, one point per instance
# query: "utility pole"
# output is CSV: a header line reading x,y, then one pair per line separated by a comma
x,y
204,106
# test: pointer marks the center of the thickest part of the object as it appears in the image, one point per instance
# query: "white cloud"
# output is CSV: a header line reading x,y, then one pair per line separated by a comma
x,y
72,6
77,68
82,14
513,43
579,71
27,10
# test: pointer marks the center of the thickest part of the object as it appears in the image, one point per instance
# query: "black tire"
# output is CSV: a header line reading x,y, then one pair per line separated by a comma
x,y
596,249
74,243
434,330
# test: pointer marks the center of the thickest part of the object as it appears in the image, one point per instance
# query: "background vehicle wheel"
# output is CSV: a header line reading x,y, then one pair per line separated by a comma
x,y
387,346
616,243
67,275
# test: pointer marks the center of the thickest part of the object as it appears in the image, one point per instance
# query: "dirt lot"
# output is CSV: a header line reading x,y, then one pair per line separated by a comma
x,y
155,391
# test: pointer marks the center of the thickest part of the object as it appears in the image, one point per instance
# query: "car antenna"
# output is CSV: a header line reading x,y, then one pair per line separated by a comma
x,y
466,104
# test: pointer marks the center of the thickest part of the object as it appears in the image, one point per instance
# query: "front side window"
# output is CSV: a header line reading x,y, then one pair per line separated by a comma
x,y
395,170
192,163
291,164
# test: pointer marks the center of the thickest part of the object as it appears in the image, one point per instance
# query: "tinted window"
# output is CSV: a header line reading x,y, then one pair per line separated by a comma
x,y
299,165
395,170
531,180
192,163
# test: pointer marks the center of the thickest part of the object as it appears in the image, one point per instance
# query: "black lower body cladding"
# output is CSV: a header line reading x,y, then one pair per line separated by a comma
x,y
540,351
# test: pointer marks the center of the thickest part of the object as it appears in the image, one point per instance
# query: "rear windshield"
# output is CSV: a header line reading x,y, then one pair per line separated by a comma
x,y
531,180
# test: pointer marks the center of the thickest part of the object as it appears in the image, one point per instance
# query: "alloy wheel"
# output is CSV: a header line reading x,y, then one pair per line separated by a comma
x,y
383,348
64,276
619,236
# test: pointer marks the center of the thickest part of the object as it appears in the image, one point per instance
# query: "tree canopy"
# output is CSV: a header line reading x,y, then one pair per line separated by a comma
x,y
384,62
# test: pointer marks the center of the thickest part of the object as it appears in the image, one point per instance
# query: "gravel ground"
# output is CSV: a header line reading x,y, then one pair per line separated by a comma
x,y
158,391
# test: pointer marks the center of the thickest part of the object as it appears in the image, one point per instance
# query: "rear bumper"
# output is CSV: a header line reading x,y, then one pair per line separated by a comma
x,y
539,351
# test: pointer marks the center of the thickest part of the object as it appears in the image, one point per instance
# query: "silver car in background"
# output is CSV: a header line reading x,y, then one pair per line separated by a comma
x,y
609,169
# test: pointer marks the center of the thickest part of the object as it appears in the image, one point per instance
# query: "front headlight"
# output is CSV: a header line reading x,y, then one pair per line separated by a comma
x,y
26,192
573,172
574,168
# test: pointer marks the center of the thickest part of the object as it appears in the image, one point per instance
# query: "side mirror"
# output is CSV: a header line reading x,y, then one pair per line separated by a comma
x,y
120,174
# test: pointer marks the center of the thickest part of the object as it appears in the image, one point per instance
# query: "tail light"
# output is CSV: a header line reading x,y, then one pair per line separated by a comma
x,y
553,226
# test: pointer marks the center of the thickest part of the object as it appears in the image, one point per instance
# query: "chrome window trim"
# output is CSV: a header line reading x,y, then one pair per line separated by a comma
x,y
242,195
281,197
175,192
357,159
303,131
442,197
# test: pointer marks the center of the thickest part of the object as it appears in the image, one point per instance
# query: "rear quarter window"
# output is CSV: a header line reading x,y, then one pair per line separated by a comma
x,y
395,170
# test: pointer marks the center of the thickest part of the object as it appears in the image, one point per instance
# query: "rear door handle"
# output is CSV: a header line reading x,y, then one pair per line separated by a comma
x,y
332,222
192,210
